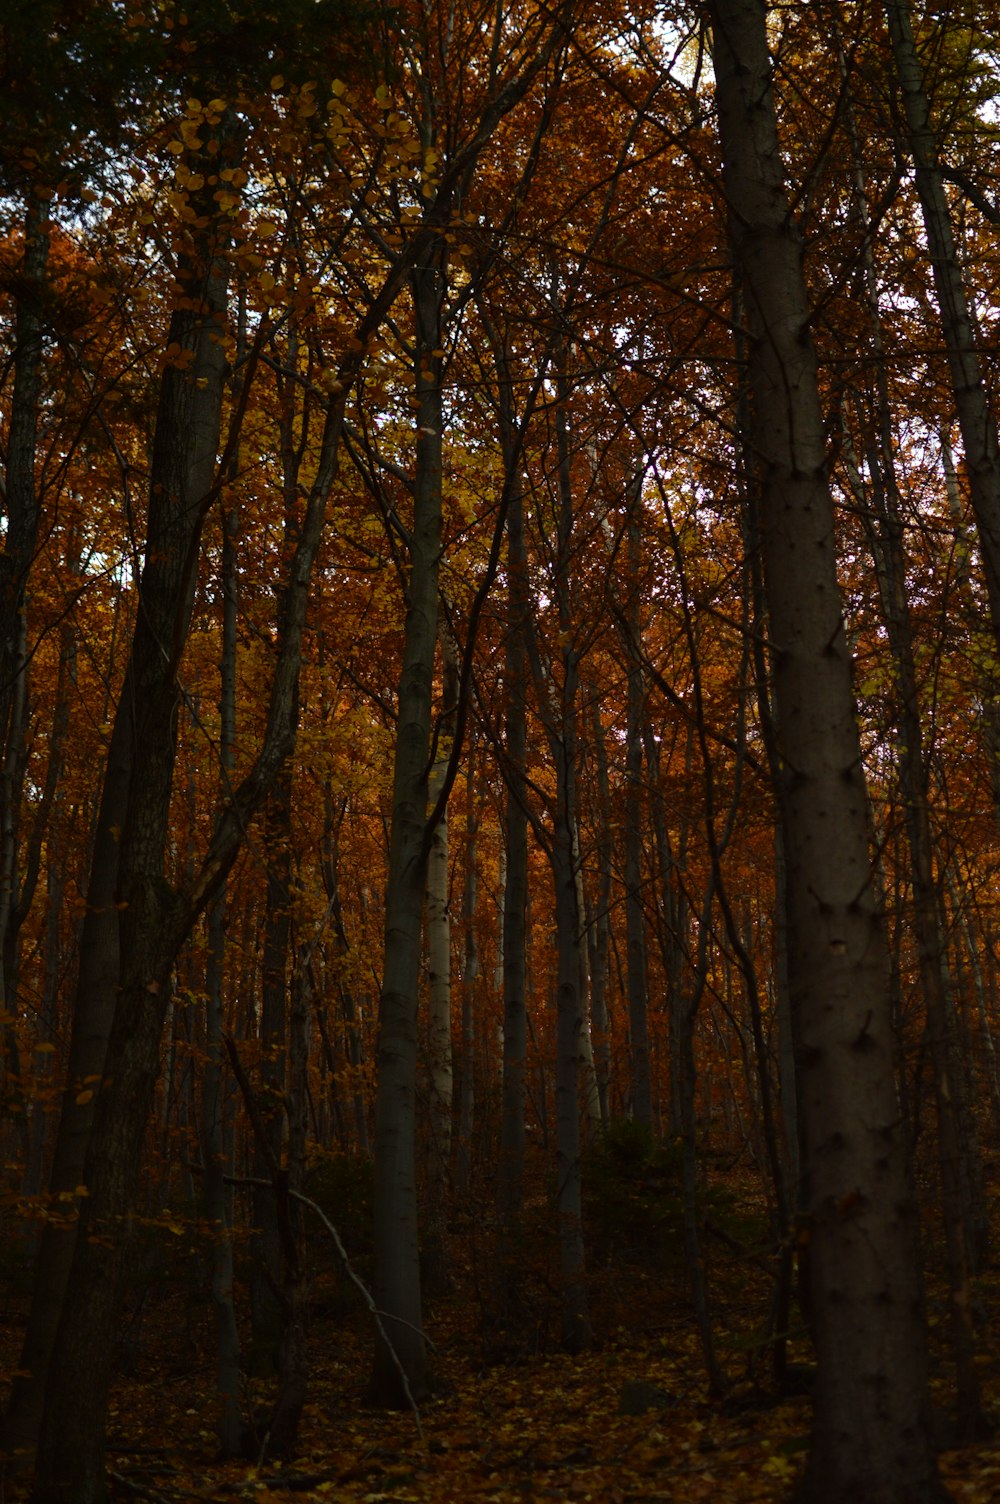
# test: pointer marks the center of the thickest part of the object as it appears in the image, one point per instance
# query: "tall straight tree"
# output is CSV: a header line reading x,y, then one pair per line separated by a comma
x,y
397,1266
138,921
400,1354
125,903
870,1438
976,419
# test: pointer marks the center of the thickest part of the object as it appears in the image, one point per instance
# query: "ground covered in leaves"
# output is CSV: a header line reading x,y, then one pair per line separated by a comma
x,y
629,1421
549,1427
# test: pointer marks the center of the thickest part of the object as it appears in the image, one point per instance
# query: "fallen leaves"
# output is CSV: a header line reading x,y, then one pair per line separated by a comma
x,y
628,1423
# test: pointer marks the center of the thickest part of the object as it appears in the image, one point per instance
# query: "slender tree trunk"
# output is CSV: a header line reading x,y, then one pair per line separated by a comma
x,y
440,1067
879,504
510,1167
20,498
570,1026
881,511
292,1361
470,972
349,1002
149,921
227,1341
599,926
126,903
870,1438
397,1251
976,419
670,927
635,918
972,951
273,1263
560,710
267,1300
593,1021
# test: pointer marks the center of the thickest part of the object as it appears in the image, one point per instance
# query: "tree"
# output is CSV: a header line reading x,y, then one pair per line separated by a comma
x,y
869,1438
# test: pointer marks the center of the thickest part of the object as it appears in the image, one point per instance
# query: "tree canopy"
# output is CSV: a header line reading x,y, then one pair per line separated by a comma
x,y
499,700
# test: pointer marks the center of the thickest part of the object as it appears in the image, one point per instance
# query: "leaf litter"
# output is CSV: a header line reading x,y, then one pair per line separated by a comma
x,y
546,1427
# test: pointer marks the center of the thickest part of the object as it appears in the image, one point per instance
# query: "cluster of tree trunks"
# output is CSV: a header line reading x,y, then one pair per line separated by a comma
x,y
526,657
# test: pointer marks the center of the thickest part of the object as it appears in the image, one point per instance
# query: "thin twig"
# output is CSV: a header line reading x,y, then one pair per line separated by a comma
x,y
249,1180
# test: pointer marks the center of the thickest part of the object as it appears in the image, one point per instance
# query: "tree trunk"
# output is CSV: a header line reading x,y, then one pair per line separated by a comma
x,y
266,1297
220,1258
470,973
144,922
559,710
440,1067
599,919
870,1438
397,1250
880,508
510,1166
123,976
976,420
635,919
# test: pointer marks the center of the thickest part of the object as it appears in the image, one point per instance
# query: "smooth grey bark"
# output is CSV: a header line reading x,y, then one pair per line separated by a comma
x,y
870,1438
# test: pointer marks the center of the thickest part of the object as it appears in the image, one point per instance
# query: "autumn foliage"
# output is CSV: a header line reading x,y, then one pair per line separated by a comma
x,y
394,784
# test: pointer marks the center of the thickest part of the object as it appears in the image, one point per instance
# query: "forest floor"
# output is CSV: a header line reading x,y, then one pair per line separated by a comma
x,y
538,1425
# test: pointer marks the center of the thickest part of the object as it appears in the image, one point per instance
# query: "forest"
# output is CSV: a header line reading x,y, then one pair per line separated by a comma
x,y
499,750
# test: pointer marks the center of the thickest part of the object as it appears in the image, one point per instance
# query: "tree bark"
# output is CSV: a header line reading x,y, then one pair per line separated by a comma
x,y
129,982
870,1437
635,919
220,1258
510,1167
976,419
440,1065
470,972
397,1249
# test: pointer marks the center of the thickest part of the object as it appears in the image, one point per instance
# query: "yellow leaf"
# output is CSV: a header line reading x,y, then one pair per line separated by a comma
x,y
83,1098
